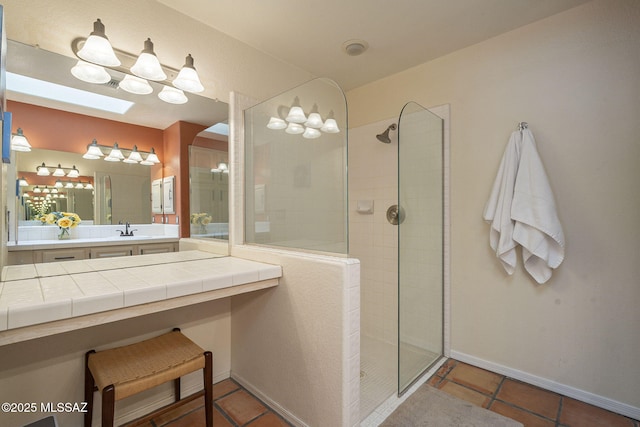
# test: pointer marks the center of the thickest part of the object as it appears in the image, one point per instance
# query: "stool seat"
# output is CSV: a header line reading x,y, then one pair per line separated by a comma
x,y
124,371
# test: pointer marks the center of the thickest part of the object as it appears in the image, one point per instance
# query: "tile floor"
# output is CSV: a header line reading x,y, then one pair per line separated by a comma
x,y
233,406
532,406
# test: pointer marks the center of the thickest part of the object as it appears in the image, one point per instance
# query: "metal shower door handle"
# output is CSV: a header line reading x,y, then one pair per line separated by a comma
x,y
395,215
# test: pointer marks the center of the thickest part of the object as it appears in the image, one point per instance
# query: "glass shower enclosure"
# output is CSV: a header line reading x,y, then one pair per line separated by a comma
x,y
420,220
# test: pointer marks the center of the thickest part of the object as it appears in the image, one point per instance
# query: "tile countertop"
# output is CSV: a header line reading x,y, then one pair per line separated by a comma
x,y
37,294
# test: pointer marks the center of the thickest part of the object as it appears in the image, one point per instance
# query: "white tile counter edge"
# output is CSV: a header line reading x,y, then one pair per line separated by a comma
x,y
188,273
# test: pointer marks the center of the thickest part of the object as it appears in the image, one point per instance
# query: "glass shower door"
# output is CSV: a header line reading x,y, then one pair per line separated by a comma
x,y
420,242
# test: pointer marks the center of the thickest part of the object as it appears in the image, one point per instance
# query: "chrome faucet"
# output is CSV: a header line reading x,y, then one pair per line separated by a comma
x,y
127,232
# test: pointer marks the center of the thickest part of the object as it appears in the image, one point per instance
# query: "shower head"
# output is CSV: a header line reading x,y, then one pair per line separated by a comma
x,y
384,136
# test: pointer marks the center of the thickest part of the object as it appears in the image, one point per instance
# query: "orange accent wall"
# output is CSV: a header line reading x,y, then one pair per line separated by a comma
x,y
71,132
177,139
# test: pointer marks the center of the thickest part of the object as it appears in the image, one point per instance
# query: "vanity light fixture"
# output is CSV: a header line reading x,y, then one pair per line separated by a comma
x,y
74,172
37,189
297,122
115,155
54,191
134,156
152,158
89,186
79,186
90,73
135,85
22,182
69,184
97,48
58,184
93,151
42,170
188,78
46,189
222,168
19,142
147,65
59,171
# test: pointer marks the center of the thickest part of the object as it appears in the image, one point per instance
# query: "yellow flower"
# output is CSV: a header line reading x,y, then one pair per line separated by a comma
x,y
65,222
206,220
50,219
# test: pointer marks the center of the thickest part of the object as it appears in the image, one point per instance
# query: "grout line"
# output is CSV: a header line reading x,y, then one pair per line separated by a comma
x,y
495,394
559,410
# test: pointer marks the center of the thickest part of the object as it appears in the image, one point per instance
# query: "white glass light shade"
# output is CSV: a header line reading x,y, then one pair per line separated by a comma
x,y
62,196
58,184
54,191
37,189
152,157
22,182
89,186
294,129
93,151
276,123
134,157
188,78
73,173
97,48
311,133
135,85
46,190
58,171
68,185
314,121
330,126
172,95
19,142
42,170
115,155
296,115
90,73
147,65
79,186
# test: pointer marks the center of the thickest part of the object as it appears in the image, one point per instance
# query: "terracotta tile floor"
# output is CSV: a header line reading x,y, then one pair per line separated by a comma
x,y
532,406
233,406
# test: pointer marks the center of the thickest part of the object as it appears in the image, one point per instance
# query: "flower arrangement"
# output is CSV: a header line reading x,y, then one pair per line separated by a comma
x,y
64,221
201,219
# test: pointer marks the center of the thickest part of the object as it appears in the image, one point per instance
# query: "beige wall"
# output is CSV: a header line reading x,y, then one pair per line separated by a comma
x,y
574,78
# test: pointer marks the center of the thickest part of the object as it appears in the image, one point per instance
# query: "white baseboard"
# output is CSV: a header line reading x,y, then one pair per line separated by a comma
x,y
284,413
547,384
189,386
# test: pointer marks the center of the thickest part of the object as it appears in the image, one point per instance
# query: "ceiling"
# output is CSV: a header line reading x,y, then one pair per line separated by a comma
x,y
400,33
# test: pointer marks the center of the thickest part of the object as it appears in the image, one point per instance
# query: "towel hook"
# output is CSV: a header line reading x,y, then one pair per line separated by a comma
x,y
523,125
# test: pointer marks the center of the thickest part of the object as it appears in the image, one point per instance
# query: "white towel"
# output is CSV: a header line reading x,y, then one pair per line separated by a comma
x,y
498,208
537,227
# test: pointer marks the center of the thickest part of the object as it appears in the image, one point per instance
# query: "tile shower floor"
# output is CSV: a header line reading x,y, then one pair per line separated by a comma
x,y
233,406
532,406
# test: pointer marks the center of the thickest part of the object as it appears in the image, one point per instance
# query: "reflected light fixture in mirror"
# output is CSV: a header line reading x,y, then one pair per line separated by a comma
x,y
135,85
172,95
22,182
90,73
19,142
98,49
42,170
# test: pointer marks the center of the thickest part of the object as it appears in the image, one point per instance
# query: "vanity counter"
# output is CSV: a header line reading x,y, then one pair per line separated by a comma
x,y
44,299
33,245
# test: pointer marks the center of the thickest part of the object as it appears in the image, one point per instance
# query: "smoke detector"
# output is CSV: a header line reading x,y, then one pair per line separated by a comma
x,y
355,47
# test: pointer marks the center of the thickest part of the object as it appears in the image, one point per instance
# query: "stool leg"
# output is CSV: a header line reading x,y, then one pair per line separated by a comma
x,y
89,385
176,387
208,388
108,405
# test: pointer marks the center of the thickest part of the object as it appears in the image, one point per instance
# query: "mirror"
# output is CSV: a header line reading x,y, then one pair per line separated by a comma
x,y
209,186
120,191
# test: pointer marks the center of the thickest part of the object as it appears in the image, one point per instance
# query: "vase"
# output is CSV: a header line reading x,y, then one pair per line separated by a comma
x,y
64,234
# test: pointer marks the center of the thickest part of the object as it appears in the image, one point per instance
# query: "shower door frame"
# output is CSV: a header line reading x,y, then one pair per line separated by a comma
x,y
405,384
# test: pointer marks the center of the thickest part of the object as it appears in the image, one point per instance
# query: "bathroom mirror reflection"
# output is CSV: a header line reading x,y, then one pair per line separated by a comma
x,y
209,186
121,192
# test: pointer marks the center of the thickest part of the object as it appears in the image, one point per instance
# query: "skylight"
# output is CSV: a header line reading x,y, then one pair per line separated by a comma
x,y
60,93
219,128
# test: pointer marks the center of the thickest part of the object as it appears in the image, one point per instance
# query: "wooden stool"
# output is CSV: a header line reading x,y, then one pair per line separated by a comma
x,y
124,371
